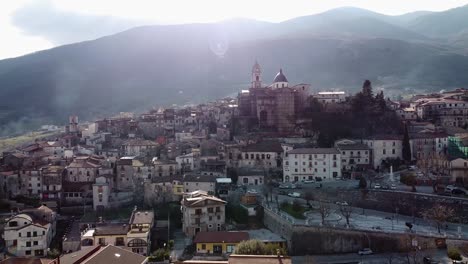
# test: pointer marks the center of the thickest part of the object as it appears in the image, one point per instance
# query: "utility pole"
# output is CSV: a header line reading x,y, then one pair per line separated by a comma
x,y
168,224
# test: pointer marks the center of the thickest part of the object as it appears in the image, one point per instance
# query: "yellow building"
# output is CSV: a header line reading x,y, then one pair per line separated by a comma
x,y
218,242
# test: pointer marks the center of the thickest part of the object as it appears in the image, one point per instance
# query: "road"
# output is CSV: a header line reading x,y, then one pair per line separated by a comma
x,y
437,255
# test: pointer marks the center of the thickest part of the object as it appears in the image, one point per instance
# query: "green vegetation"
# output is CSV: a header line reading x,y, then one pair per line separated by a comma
x,y
12,142
454,254
364,114
175,213
408,179
256,247
295,209
159,255
109,214
237,213
31,201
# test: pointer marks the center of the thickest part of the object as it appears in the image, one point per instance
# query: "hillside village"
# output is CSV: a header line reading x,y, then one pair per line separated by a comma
x,y
198,180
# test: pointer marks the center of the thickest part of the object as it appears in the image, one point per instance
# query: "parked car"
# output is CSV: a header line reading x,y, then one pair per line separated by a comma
x,y
294,194
377,186
393,186
252,191
449,188
365,251
458,191
308,181
284,186
385,187
342,203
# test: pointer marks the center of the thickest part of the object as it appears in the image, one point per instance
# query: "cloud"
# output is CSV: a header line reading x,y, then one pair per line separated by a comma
x,y
42,18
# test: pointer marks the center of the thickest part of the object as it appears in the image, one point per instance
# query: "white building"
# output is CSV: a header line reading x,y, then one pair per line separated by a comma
x,y
311,164
202,212
101,193
183,136
385,147
29,233
331,97
353,154
187,162
262,155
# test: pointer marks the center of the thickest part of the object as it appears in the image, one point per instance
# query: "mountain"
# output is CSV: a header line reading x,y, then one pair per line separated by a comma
x,y
442,24
349,22
178,64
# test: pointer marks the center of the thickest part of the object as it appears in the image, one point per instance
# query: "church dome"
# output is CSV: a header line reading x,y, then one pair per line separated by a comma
x,y
280,77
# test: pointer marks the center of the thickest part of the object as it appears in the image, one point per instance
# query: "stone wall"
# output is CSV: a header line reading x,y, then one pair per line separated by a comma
x,y
305,240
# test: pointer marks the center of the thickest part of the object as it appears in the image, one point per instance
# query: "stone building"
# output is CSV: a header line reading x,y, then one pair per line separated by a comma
x,y
272,107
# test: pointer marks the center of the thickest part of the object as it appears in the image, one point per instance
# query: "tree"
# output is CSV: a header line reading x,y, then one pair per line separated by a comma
x,y
232,173
406,146
346,211
257,247
308,196
362,183
454,254
324,210
438,214
367,89
160,254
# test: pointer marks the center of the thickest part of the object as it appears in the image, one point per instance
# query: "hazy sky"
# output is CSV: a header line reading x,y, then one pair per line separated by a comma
x,y
31,25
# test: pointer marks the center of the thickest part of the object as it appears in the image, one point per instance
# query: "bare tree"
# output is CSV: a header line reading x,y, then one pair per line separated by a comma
x,y
346,211
324,209
438,214
308,196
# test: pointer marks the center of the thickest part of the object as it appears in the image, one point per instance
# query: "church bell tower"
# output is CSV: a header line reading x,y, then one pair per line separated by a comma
x,y
256,76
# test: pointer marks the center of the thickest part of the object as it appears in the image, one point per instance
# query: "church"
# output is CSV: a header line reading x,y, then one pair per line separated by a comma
x,y
274,107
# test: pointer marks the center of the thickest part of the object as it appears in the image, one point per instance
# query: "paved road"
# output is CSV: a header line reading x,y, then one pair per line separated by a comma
x,y
180,242
396,258
377,220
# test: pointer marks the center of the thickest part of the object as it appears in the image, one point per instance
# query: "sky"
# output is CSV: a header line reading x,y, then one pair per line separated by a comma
x,y
32,25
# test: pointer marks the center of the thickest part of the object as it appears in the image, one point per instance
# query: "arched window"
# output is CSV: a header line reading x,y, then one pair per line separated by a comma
x,y
137,243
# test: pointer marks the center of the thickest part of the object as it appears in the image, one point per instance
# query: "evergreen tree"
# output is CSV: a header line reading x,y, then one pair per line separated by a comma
x,y
367,89
406,146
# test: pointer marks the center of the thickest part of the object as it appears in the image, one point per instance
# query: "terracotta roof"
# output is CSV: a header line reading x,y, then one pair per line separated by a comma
x,y
221,236
111,229
114,255
18,260
142,217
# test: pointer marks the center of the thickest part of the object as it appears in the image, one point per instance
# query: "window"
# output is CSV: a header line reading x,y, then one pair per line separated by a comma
x,y
393,151
34,234
119,241
384,152
27,252
102,241
13,223
19,234
203,246
35,243
28,234
210,209
28,243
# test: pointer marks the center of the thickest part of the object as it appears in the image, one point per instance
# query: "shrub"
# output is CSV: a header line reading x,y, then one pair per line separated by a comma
x,y
296,205
454,254
160,255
